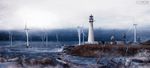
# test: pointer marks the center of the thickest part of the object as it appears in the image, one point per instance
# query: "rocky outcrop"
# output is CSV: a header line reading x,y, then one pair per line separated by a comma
x,y
99,50
146,43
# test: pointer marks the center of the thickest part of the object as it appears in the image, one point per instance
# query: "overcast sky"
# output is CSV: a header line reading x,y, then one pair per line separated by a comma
x,y
57,14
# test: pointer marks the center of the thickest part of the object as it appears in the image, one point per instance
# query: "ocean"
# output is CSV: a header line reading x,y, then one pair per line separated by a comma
x,y
37,50
51,55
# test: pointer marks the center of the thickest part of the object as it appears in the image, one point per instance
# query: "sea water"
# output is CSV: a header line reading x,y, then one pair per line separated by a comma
x,y
53,50
38,49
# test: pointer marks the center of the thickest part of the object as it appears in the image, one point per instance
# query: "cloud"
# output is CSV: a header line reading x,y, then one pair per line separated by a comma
x,y
54,14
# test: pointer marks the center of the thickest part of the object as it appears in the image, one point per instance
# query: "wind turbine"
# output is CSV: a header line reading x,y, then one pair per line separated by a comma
x,y
83,34
27,36
43,37
57,38
79,34
135,33
46,38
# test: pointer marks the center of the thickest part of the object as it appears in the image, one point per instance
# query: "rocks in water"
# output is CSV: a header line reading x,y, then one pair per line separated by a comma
x,y
112,62
2,59
66,49
13,59
40,61
69,64
48,61
29,61
108,58
142,59
120,60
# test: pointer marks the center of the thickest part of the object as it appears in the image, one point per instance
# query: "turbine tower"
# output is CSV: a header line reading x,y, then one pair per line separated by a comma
x,y
135,33
27,36
91,32
57,39
79,34
46,39
83,35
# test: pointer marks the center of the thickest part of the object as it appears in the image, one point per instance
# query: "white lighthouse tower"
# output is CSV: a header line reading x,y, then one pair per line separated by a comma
x,y
91,32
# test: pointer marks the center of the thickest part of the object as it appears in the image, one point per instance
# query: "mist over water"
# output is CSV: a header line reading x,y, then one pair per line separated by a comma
x,y
71,35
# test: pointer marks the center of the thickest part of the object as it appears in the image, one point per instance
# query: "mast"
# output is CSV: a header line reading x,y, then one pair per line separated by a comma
x,y
27,36
57,38
82,31
135,33
124,38
46,39
79,35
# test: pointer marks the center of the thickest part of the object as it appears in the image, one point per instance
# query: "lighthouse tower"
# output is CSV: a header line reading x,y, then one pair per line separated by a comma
x,y
91,32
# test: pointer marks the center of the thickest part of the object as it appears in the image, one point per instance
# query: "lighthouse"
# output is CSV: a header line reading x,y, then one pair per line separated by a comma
x,y
91,32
